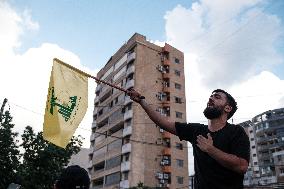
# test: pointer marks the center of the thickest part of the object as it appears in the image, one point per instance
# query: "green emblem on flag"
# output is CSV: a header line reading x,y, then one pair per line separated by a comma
x,y
65,109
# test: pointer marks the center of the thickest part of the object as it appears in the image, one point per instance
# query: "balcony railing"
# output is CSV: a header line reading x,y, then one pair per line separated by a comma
x,y
126,148
129,84
92,138
127,100
131,57
167,62
124,184
167,151
125,166
166,169
94,124
90,164
166,135
128,114
130,70
127,131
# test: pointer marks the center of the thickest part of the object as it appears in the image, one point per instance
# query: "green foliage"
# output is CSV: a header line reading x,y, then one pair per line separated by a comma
x,y
9,156
140,185
43,161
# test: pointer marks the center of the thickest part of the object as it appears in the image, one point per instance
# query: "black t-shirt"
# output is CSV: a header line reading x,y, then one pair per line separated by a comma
x,y
209,174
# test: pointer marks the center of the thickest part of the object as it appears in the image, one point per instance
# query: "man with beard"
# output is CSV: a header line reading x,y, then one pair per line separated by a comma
x,y
221,150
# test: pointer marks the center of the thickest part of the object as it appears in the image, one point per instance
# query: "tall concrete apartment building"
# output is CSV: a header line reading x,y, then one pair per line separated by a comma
x,y
266,133
127,148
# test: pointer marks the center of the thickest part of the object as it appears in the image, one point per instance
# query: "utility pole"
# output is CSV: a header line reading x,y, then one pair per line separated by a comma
x,y
2,109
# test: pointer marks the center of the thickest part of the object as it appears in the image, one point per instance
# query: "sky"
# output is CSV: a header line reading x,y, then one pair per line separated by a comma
x,y
234,45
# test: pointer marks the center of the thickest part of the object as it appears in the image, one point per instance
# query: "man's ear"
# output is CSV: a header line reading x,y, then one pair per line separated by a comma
x,y
228,108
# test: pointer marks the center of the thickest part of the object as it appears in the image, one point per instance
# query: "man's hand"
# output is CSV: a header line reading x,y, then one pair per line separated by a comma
x,y
205,144
134,95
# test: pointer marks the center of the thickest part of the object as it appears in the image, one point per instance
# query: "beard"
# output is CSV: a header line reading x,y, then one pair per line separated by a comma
x,y
212,112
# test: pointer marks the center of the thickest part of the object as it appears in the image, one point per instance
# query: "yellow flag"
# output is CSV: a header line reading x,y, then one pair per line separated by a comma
x,y
66,104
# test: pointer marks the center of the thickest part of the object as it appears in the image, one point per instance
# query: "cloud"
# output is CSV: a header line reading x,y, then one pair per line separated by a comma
x,y
226,47
25,77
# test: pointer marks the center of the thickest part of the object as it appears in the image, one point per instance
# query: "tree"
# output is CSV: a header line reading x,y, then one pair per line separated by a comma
x,y
43,161
9,156
140,185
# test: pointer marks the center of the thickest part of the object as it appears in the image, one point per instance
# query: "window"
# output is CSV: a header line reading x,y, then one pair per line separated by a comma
x,y
179,180
112,179
177,61
177,73
178,115
253,147
114,145
254,155
179,146
179,162
252,139
177,86
177,100
113,162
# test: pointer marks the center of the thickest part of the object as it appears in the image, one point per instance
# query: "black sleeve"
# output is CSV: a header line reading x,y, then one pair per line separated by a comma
x,y
187,131
240,145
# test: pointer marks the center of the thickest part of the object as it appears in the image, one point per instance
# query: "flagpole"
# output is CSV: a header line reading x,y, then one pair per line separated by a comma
x,y
98,80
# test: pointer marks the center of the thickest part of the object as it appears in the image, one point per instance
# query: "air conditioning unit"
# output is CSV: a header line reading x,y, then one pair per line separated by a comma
x,y
162,181
160,176
162,163
166,176
161,130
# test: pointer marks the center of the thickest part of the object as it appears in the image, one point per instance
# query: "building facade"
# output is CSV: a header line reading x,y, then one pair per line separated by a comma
x,y
127,148
266,133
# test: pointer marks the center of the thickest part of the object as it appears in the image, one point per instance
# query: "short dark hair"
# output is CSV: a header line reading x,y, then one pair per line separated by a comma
x,y
73,177
231,101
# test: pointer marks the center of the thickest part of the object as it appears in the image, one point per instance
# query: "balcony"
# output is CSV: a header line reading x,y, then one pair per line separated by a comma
x,y
92,138
166,75
125,166
98,88
94,124
166,62
131,57
96,100
127,100
166,135
130,70
166,151
166,169
124,184
128,114
95,111
129,84
105,94
166,48
126,148
90,164
127,131
166,89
